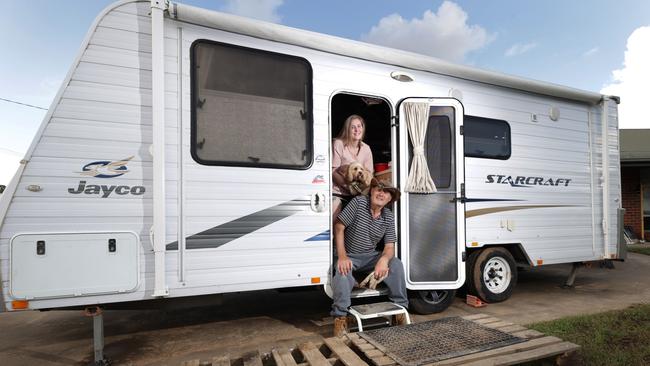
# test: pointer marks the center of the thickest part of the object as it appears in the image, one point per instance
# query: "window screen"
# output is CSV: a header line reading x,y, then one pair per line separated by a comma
x,y
486,138
439,150
250,107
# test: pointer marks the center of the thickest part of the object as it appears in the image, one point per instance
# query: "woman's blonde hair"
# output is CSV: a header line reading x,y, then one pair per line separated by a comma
x,y
344,135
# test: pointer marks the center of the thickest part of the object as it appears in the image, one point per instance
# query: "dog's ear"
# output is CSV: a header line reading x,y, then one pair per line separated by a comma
x,y
367,177
349,174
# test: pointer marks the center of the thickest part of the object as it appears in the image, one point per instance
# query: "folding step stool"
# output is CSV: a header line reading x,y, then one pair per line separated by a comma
x,y
377,310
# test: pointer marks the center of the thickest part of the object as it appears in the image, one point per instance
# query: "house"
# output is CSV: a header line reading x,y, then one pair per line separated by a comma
x,y
635,180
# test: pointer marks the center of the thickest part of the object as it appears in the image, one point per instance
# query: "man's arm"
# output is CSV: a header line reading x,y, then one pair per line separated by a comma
x,y
343,264
381,268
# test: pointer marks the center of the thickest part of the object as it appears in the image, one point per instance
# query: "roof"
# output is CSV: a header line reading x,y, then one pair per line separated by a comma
x,y
365,51
635,145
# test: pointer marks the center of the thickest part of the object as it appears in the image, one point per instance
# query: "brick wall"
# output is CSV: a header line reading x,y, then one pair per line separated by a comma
x,y
631,189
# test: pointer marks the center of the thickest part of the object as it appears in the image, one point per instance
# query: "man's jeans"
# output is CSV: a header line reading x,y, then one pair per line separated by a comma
x,y
342,285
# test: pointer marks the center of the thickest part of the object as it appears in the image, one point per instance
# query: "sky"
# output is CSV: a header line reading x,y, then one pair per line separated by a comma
x,y
596,45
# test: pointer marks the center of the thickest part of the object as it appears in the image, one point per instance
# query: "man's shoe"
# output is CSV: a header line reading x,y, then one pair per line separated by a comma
x,y
399,319
340,326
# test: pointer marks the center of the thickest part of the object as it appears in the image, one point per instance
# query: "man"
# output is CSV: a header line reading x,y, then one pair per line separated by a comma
x,y
359,228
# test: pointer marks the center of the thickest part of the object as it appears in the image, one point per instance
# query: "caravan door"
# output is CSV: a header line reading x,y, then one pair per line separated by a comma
x,y
432,225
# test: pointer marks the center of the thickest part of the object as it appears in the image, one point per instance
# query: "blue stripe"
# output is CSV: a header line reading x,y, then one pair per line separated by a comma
x,y
325,235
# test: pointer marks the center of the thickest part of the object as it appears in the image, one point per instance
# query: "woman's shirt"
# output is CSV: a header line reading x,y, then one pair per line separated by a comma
x,y
344,155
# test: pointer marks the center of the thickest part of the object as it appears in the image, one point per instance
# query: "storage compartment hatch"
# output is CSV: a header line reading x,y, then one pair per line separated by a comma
x,y
76,264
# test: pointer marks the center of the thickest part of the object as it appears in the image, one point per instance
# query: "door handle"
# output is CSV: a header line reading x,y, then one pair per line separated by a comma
x,y
318,202
462,199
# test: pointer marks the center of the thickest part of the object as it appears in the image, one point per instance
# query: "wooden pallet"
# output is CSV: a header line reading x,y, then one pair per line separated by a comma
x,y
334,351
356,351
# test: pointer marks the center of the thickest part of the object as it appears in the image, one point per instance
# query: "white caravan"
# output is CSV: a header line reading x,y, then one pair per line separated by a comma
x,y
188,153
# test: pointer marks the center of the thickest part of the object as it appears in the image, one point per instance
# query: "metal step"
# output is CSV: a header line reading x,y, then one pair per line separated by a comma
x,y
376,310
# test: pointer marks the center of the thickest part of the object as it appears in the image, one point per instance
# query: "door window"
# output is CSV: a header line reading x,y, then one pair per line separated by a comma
x,y
438,147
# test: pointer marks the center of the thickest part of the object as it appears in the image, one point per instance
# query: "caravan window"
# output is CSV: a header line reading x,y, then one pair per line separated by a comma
x,y
486,138
250,107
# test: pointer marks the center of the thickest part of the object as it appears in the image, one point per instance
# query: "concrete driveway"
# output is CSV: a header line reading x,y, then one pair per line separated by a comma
x,y
266,319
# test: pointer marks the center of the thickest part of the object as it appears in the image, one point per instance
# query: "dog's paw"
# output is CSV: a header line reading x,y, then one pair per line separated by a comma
x,y
355,188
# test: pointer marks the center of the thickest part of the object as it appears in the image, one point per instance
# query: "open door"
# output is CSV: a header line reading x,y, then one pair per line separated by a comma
x,y
432,225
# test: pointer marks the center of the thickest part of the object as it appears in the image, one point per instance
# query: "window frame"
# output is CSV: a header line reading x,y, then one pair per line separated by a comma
x,y
309,143
467,118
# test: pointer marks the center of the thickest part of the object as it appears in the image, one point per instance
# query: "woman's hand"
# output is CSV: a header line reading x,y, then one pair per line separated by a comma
x,y
344,265
381,268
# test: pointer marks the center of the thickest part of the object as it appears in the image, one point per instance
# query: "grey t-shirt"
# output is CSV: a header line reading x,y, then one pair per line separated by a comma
x,y
362,232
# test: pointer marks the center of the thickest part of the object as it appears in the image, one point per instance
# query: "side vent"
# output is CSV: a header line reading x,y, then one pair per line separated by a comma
x,y
112,246
40,247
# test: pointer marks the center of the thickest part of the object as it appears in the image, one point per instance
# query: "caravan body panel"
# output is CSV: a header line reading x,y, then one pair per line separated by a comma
x,y
547,197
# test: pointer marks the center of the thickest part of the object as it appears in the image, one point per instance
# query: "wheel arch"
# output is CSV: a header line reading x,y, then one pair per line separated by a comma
x,y
516,250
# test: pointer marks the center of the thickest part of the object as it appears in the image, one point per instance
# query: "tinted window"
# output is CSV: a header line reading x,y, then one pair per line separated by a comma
x,y
250,107
486,138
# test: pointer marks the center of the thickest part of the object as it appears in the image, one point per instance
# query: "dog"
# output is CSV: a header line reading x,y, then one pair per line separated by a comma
x,y
357,178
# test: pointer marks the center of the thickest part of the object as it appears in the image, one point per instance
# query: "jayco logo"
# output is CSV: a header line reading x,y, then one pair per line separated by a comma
x,y
106,169
106,190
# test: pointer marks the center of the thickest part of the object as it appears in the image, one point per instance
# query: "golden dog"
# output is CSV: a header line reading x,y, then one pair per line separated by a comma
x,y
357,178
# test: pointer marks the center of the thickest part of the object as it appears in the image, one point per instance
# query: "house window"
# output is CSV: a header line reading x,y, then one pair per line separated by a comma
x,y
487,138
250,107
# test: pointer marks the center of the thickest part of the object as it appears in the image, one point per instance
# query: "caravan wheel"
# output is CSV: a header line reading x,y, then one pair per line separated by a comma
x,y
493,274
430,301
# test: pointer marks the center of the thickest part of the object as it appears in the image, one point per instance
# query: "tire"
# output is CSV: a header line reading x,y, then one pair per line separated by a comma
x,y
430,301
491,274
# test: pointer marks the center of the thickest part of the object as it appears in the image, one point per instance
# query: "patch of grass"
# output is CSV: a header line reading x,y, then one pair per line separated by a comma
x,y
611,338
639,249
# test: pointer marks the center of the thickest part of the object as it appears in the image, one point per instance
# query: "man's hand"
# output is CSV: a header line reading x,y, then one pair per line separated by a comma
x,y
381,268
379,274
344,265
371,282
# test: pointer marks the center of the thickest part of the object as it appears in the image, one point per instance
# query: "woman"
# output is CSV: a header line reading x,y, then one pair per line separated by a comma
x,y
347,148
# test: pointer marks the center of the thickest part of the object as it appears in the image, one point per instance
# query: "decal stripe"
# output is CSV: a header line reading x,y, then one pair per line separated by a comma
x,y
325,235
489,210
229,231
468,200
